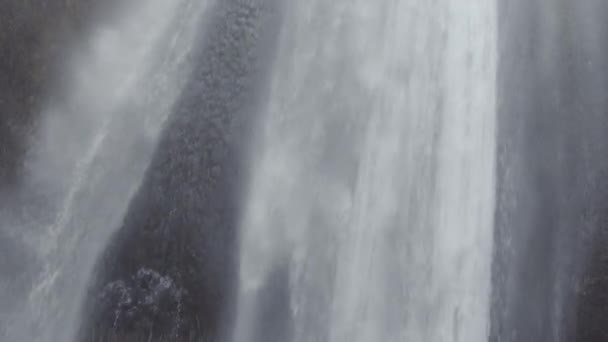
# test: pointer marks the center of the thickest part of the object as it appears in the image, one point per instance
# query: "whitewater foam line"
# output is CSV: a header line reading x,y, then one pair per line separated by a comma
x,y
373,175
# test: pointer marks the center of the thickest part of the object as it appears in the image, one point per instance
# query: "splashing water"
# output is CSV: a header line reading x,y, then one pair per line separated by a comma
x,y
373,175
88,157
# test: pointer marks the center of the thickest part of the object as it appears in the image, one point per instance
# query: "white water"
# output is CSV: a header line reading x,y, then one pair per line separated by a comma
x,y
88,157
373,172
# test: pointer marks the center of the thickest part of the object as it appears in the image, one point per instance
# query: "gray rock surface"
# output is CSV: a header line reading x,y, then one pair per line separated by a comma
x,y
182,224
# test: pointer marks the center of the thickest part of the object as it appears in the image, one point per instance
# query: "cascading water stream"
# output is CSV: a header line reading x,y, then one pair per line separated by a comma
x,y
371,198
369,207
88,158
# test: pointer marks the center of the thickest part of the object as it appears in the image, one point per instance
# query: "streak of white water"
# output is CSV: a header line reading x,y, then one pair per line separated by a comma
x,y
373,173
89,157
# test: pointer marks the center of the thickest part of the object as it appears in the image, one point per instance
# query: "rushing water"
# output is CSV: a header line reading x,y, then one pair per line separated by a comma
x,y
365,204
86,160
369,212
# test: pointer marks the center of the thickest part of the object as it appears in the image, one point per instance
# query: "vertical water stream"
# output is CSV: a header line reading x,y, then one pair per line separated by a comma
x,y
371,199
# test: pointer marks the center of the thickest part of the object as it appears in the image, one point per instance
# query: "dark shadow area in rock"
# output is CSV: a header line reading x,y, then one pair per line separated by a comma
x,y
180,232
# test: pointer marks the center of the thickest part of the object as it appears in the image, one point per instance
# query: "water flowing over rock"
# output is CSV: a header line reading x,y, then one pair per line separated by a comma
x,y
182,222
85,160
297,171
374,173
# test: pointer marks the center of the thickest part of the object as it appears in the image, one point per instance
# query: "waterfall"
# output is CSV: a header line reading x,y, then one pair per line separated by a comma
x,y
86,160
369,211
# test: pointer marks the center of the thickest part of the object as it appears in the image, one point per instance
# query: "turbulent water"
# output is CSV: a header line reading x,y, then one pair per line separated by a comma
x,y
385,170
85,161
369,214
315,170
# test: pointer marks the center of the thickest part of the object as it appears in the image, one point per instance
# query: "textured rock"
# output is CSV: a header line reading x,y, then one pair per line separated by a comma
x,y
182,224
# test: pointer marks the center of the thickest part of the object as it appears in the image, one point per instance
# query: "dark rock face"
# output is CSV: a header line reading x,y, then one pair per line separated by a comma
x,y
177,249
552,148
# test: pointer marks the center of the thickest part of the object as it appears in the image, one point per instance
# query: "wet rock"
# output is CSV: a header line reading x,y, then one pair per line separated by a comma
x,y
183,221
